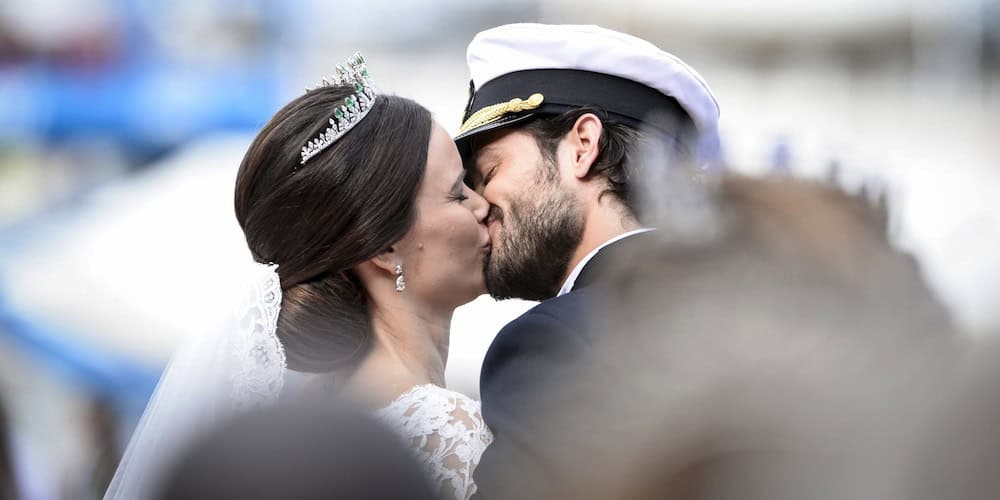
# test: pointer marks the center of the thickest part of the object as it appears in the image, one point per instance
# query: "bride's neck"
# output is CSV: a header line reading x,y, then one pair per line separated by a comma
x,y
409,348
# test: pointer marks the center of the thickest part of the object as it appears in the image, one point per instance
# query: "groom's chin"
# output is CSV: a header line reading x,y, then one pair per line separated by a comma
x,y
525,279
507,288
496,289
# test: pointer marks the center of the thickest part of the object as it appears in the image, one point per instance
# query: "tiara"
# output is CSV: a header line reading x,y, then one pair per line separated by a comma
x,y
356,106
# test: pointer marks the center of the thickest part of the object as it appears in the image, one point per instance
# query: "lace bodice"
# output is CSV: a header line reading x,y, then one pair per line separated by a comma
x,y
446,431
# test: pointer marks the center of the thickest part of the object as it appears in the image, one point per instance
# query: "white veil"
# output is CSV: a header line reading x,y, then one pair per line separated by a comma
x,y
210,378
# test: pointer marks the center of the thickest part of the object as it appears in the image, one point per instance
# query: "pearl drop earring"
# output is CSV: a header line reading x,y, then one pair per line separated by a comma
x,y
400,281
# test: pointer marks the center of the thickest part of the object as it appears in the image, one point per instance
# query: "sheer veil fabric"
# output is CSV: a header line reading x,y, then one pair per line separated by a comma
x,y
242,366
211,378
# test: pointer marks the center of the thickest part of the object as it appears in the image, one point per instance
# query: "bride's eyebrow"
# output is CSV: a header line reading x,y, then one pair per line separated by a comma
x,y
457,186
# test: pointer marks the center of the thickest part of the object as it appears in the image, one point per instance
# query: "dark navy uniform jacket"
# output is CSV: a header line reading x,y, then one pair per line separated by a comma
x,y
521,376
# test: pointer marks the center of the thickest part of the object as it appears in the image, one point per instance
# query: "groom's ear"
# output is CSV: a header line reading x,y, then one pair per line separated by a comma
x,y
585,137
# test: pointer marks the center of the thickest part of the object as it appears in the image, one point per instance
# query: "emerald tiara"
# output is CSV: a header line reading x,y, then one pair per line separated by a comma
x,y
356,106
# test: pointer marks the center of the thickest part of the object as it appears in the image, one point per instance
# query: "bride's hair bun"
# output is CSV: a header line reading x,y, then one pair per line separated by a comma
x,y
318,221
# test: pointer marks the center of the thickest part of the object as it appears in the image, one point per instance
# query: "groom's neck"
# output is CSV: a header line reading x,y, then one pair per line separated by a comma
x,y
604,220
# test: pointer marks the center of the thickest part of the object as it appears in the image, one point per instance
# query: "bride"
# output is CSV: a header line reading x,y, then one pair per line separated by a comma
x,y
354,205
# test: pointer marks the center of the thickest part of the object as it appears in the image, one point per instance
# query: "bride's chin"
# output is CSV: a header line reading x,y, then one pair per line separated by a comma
x,y
474,285
480,290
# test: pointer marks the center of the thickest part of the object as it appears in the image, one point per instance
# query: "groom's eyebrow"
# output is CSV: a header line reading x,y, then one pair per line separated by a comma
x,y
485,161
487,156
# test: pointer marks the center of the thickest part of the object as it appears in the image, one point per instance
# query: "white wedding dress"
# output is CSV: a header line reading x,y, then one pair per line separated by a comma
x,y
242,367
446,432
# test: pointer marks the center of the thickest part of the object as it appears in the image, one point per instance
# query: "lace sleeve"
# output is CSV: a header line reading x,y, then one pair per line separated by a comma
x,y
447,433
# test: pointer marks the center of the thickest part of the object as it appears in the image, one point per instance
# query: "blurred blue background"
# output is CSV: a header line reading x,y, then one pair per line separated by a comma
x,y
122,124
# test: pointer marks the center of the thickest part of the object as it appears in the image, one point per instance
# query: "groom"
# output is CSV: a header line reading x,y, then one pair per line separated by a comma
x,y
550,138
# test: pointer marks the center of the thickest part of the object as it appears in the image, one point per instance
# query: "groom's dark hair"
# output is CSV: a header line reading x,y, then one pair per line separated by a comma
x,y
319,220
618,148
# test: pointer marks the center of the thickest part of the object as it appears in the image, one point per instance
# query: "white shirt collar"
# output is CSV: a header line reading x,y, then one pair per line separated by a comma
x,y
571,280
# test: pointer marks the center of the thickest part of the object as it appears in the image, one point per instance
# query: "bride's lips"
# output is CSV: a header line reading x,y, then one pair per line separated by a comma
x,y
487,245
493,229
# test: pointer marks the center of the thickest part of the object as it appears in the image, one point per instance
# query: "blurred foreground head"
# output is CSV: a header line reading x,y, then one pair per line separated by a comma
x,y
798,250
957,456
779,349
8,485
290,452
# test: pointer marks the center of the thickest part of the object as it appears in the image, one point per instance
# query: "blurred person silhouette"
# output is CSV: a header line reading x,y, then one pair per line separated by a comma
x,y
365,240
103,427
958,454
8,478
772,344
24,472
315,451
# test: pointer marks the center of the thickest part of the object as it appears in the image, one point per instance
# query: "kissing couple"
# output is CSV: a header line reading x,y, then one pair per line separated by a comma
x,y
370,225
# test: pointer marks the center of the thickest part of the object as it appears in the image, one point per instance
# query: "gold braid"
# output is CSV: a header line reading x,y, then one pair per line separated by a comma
x,y
492,113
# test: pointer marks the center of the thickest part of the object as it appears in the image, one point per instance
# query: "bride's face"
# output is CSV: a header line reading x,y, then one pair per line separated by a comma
x,y
444,251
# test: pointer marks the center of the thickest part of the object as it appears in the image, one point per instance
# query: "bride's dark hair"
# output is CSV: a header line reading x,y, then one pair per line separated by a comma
x,y
319,220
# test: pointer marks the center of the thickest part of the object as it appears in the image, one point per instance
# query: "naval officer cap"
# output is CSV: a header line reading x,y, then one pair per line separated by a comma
x,y
524,70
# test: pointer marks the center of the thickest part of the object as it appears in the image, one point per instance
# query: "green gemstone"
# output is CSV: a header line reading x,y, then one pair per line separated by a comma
x,y
358,88
339,114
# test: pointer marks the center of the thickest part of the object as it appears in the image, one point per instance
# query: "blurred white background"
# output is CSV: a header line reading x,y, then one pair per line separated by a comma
x,y
122,124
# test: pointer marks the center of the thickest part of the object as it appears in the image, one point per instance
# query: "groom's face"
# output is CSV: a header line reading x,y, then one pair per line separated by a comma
x,y
535,222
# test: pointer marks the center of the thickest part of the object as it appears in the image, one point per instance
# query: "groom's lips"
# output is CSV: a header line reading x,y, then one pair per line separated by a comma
x,y
491,223
493,220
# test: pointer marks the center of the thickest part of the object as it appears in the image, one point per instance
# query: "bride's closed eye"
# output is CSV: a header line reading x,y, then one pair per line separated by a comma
x,y
458,189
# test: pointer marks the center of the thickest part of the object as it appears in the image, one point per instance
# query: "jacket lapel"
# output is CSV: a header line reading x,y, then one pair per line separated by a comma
x,y
598,267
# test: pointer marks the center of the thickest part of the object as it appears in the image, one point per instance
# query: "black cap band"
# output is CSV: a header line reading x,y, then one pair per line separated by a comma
x,y
626,101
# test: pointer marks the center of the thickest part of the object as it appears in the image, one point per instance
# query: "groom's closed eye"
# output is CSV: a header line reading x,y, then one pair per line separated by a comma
x,y
481,180
489,175
485,164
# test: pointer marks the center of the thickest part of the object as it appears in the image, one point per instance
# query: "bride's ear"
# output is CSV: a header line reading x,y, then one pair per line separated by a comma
x,y
386,261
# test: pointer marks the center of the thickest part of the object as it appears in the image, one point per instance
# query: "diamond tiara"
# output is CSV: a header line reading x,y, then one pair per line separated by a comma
x,y
356,106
